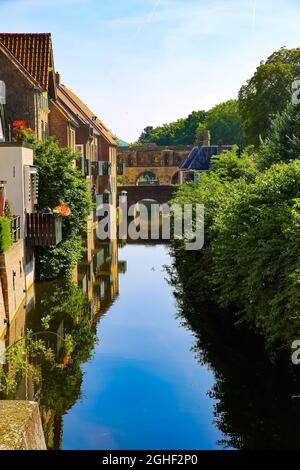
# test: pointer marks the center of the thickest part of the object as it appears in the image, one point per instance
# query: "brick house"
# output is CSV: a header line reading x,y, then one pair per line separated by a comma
x,y
27,69
62,124
94,142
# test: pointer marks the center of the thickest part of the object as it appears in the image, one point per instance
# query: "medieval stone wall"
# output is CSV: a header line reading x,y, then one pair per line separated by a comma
x,y
163,162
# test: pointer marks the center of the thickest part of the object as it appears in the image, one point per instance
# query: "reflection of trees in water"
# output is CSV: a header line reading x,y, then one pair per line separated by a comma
x,y
256,398
67,313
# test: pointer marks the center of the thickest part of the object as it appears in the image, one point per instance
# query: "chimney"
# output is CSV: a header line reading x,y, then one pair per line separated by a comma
x,y
57,78
205,139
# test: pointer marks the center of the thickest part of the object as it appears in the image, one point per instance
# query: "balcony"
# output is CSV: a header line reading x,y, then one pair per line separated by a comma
x,y
43,229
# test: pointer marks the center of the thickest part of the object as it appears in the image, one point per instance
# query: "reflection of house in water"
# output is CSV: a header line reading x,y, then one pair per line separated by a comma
x,y
98,272
106,285
60,385
122,267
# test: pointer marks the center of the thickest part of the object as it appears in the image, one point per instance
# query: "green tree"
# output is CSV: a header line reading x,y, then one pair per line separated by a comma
x,y
268,92
180,132
60,182
283,141
255,253
224,123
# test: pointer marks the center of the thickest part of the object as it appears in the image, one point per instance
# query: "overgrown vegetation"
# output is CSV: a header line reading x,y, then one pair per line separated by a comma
x,y
61,183
268,92
5,234
250,262
180,132
223,121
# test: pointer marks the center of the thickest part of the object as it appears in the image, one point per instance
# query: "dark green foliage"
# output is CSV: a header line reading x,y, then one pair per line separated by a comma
x,y
283,141
255,253
250,262
61,259
60,182
224,123
181,132
5,234
227,175
268,92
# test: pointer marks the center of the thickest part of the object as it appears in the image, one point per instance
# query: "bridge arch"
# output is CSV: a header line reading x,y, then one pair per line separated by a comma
x,y
160,193
147,178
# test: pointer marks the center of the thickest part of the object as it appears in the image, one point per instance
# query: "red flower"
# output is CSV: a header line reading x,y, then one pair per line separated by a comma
x,y
63,210
66,360
21,125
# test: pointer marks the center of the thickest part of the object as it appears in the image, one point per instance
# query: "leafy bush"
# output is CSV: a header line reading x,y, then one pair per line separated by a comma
x,y
61,183
5,234
283,141
250,262
255,253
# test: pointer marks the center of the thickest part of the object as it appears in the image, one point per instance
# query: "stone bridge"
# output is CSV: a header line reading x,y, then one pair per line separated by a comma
x,y
160,193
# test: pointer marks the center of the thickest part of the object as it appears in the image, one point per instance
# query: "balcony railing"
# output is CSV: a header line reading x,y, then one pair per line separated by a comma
x,y
15,228
43,229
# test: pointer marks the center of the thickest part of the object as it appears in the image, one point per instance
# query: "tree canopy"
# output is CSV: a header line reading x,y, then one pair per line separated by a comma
x,y
60,182
224,123
250,261
181,132
268,92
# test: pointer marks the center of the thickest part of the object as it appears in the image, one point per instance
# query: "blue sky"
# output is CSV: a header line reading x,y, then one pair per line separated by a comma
x,y
146,62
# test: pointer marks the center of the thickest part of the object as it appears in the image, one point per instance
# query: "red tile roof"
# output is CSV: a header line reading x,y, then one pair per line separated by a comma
x,y
34,52
94,121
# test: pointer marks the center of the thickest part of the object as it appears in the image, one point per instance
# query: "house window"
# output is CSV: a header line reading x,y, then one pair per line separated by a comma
x,y
44,101
80,159
44,130
72,145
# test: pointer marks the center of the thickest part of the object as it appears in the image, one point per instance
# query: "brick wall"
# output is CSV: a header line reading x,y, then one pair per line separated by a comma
x,y
13,278
58,126
19,92
161,194
2,314
164,162
164,174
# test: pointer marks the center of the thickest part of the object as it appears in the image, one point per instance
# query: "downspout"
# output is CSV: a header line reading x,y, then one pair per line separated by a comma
x,y
36,112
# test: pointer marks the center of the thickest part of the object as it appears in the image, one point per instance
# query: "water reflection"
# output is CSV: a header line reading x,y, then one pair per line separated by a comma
x,y
149,383
64,315
257,400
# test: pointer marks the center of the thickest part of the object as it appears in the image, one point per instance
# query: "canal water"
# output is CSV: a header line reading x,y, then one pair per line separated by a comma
x,y
143,387
133,368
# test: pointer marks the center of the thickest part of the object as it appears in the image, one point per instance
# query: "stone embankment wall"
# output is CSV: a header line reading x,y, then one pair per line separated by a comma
x,y
20,426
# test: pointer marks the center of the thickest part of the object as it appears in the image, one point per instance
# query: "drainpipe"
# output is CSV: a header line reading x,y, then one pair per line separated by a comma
x,y
2,197
36,111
